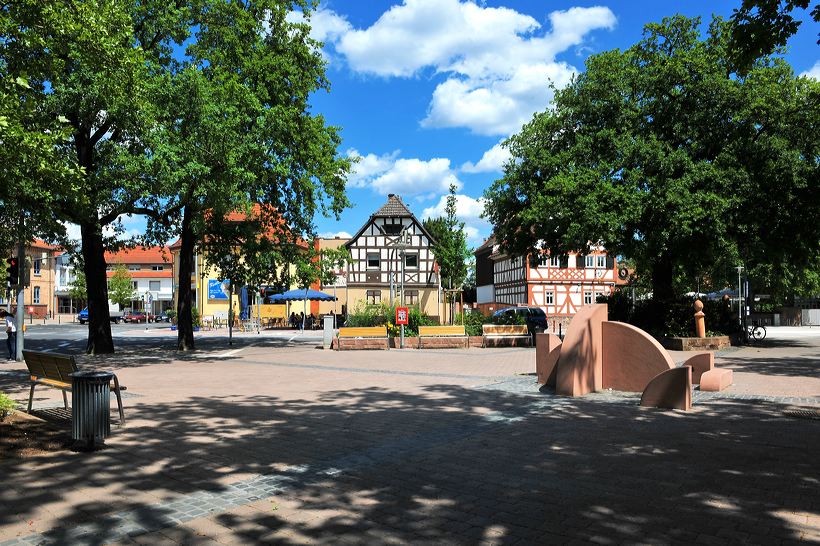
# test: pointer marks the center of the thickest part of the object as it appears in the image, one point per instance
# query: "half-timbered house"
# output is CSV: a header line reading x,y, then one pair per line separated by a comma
x,y
558,284
390,236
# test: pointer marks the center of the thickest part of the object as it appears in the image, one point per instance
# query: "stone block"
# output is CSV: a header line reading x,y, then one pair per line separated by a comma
x,y
700,363
580,368
716,379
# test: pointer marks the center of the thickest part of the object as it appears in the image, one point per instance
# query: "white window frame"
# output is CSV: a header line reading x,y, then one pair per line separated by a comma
x,y
133,268
153,284
588,298
157,268
601,262
555,261
589,261
36,296
549,297
408,255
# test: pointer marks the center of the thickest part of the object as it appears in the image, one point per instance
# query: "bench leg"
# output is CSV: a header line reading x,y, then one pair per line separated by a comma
x,y
31,396
65,400
119,400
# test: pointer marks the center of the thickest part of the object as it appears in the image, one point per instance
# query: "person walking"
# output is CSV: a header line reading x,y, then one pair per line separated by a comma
x,y
11,334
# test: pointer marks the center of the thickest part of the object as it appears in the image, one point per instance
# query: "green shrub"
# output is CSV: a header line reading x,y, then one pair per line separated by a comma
x,y
669,319
473,322
196,318
6,406
383,314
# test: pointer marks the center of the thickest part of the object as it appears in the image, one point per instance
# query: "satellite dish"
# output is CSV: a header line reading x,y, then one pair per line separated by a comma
x,y
623,273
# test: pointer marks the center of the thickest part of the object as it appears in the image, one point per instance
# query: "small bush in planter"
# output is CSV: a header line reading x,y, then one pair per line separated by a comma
x,y
6,406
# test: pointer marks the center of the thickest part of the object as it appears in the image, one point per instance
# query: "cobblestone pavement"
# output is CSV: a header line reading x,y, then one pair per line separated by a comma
x,y
292,445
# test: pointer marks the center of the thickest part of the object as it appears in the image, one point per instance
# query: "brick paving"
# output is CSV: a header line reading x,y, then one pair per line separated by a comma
x,y
287,444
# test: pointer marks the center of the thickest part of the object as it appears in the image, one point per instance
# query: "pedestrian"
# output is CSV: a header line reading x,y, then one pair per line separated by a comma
x,y
11,334
301,321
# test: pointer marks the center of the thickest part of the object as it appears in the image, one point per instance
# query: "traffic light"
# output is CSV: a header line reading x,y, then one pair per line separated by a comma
x,y
12,271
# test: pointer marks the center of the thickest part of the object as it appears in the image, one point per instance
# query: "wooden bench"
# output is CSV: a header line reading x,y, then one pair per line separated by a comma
x,y
54,370
443,331
502,331
363,332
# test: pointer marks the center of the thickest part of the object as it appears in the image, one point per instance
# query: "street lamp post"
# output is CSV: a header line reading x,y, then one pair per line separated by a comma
x,y
401,246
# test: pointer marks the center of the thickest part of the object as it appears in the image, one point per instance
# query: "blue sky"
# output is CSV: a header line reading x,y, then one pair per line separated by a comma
x,y
424,90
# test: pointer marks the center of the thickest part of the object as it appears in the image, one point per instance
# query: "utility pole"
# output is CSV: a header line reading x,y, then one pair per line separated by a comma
x,y
739,297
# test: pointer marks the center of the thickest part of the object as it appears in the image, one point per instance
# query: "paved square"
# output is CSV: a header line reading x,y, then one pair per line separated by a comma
x,y
280,442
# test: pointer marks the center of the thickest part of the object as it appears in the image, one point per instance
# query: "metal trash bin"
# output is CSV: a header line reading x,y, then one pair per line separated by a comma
x,y
91,407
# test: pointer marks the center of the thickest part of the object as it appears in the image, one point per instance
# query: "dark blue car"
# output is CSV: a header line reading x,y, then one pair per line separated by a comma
x,y
534,317
82,317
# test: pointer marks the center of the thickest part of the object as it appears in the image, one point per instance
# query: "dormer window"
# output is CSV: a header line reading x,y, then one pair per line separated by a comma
x,y
392,229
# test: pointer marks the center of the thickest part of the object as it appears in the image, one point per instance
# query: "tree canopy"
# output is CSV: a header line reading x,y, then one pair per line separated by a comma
x,y
450,245
120,287
161,108
664,155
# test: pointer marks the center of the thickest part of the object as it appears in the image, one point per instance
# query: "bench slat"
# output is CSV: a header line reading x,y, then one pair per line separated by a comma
x,y
363,331
442,331
505,329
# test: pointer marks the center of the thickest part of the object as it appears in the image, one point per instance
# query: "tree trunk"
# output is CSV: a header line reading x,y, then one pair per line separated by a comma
x,y
99,319
185,326
663,274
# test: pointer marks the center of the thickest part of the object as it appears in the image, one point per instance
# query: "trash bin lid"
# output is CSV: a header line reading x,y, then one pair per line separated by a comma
x,y
93,376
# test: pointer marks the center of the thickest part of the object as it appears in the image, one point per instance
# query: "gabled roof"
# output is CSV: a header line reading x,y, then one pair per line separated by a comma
x,y
488,244
394,208
139,255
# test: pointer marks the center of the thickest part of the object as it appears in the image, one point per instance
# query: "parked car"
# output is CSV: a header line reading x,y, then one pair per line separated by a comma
x,y
534,317
82,316
163,317
137,316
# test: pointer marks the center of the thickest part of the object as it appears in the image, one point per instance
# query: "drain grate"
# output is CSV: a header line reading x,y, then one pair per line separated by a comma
x,y
803,414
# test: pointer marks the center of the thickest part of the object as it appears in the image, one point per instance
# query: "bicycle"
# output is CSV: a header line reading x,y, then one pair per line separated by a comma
x,y
755,332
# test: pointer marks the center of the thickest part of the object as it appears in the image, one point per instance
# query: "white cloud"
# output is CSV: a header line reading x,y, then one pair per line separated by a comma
x,y
325,25
368,167
498,62
469,211
332,235
492,161
813,72
416,177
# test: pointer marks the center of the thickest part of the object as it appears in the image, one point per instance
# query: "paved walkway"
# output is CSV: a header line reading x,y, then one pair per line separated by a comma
x,y
288,444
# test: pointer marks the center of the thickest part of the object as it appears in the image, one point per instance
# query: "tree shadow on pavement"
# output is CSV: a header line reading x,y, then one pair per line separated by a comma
x,y
446,464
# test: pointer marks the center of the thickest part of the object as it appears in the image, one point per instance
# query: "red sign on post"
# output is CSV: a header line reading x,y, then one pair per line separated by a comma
x,y
402,315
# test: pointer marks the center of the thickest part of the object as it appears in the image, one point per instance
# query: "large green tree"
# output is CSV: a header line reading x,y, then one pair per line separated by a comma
x,y
664,155
112,72
237,132
92,64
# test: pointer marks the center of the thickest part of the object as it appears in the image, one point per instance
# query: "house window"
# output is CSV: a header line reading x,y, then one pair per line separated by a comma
x,y
587,298
36,294
134,285
133,268
411,260
374,297
411,297
373,260
555,261
153,286
601,261
549,298
589,261
37,263
157,267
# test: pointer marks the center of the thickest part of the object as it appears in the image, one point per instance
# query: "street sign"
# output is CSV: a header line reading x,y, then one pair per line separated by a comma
x,y
402,315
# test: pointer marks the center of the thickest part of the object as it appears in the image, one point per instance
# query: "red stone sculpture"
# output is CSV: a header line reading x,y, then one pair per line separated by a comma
x,y
670,389
631,357
580,363
547,350
701,363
